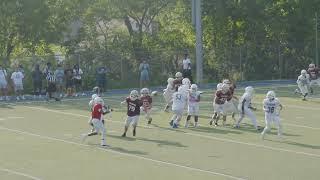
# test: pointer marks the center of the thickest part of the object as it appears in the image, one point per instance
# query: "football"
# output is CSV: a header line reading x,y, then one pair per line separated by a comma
x,y
154,93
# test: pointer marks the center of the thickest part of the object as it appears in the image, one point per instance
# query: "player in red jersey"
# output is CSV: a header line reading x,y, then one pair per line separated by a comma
x,y
232,106
221,97
313,72
146,103
96,116
133,111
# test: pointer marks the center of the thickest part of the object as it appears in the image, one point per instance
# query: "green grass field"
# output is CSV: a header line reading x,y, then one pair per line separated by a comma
x,y
41,140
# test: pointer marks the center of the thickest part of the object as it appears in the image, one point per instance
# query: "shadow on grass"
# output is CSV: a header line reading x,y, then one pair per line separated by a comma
x,y
309,146
162,142
122,138
122,150
217,130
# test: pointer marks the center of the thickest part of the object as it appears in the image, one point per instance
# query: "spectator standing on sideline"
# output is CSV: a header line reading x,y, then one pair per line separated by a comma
x,y
37,81
17,79
3,84
144,69
77,73
51,81
59,75
101,78
186,67
69,80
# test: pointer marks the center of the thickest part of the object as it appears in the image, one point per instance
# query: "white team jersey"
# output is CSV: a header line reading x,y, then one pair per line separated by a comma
x,y
186,63
3,74
179,101
17,77
185,88
193,98
169,90
247,98
303,80
271,107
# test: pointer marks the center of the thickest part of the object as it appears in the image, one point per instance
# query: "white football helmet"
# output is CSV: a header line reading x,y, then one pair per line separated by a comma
x,y
312,65
225,87
94,96
134,95
98,100
271,95
194,88
178,75
226,81
249,90
186,81
219,86
303,72
144,91
170,81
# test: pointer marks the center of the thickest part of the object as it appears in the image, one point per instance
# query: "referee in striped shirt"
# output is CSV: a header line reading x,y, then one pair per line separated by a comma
x,y
51,89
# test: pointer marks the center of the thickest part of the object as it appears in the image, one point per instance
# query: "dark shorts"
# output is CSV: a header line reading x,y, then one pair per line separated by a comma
x,y
52,87
77,82
69,83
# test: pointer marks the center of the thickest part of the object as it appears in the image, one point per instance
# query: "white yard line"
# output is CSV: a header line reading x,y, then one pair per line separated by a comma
x,y
19,173
205,136
123,154
14,117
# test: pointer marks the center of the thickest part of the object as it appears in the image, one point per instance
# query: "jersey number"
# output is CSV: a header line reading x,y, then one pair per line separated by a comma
x,y
132,108
178,97
271,109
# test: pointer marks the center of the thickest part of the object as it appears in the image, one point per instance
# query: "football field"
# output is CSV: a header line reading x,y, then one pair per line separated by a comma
x,y
41,140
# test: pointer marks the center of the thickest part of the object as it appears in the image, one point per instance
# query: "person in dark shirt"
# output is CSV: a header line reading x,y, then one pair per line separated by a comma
x,y
101,78
69,80
37,81
133,111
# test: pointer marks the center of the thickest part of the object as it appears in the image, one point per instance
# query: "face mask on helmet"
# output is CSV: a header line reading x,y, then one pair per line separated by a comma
x,y
94,96
226,81
303,72
178,75
271,95
225,88
249,90
134,95
185,81
98,100
194,88
144,92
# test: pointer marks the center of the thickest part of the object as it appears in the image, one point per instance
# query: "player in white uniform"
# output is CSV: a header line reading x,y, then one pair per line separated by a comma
x,y
303,82
3,84
179,103
168,92
193,105
272,108
186,84
245,107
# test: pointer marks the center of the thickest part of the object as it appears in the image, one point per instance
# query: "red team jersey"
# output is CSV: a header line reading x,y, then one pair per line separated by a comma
x,y
96,112
221,97
133,107
177,83
313,72
146,102
232,88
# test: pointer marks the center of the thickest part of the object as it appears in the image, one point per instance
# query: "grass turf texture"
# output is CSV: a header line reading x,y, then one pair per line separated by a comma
x,y
42,141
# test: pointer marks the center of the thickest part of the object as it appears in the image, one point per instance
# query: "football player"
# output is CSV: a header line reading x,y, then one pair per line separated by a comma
x,y
96,120
146,103
133,112
178,105
168,92
272,108
186,84
193,105
245,107
177,81
303,82
221,97
313,72
231,106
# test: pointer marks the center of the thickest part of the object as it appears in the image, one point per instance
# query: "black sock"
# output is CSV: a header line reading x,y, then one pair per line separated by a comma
x,y
195,118
188,117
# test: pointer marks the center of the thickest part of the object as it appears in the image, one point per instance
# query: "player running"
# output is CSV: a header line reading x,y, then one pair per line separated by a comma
x,y
177,81
178,105
272,108
133,112
167,93
313,72
245,107
146,103
193,105
96,120
303,82
222,96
